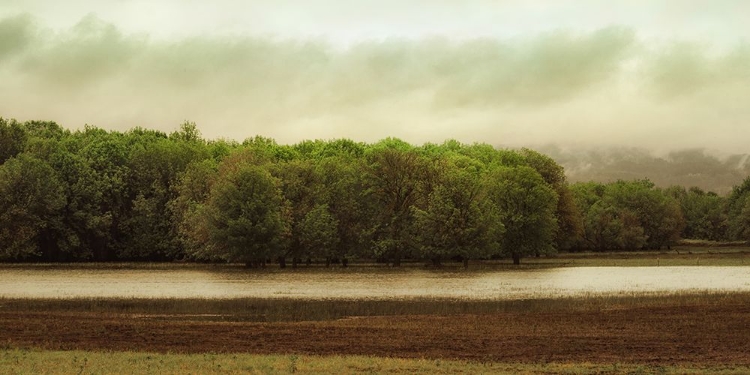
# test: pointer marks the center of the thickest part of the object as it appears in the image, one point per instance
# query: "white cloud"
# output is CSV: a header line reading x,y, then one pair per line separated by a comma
x,y
587,86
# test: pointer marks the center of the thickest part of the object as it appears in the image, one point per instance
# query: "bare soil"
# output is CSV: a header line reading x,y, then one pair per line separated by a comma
x,y
674,334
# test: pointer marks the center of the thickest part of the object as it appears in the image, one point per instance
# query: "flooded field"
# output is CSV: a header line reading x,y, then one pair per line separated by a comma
x,y
196,282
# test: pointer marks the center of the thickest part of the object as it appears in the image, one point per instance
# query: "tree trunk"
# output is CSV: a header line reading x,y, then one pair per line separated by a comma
x,y
466,263
328,262
516,258
308,262
344,262
397,262
295,261
282,262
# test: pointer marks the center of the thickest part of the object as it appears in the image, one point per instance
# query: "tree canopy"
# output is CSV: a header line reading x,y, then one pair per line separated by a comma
x,y
92,194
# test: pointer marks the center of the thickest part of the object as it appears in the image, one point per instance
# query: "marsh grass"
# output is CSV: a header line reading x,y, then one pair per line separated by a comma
x,y
19,361
278,310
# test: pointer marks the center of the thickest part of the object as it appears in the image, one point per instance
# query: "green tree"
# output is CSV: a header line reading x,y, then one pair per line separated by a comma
x,y
736,203
605,228
155,163
188,133
246,216
45,130
705,213
396,175
318,233
526,207
657,213
742,222
68,236
457,220
106,153
569,218
12,139
30,200
300,186
349,204
628,215
189,224
81,220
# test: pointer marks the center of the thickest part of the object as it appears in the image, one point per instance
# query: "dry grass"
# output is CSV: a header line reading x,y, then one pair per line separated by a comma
x,y
16,361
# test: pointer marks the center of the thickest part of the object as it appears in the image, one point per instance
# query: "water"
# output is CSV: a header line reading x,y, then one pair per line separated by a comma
x,y
192,282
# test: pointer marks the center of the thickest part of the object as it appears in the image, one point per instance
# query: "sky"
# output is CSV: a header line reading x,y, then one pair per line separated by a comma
x,y
659,75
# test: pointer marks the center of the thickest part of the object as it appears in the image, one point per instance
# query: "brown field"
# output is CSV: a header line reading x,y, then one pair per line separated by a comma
x,y
700,330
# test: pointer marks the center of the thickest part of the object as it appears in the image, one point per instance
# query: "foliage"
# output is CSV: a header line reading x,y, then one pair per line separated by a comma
x,y
526,206
12,139
345,195
395,174
457,220
30,201
300,186
704,212
246,218
147,195
738,211
568,216
318,232
628,215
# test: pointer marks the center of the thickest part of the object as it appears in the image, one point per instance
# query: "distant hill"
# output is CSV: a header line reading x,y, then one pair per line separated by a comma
x,y
690,167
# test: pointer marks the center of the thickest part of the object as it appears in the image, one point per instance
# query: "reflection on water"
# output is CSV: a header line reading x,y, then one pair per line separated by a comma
x,y
41,282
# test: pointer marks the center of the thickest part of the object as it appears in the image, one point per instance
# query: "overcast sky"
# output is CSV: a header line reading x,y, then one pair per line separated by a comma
x,y
660,75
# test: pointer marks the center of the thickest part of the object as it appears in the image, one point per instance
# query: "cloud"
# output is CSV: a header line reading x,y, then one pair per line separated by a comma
x,y
89,52
15,35
687,68
550,67
606,86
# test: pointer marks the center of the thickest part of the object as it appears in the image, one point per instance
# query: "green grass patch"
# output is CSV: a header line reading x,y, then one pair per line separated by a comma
x,y
19,361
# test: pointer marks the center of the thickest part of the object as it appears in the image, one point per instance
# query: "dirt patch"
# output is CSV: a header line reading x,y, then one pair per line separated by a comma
x,y
699,334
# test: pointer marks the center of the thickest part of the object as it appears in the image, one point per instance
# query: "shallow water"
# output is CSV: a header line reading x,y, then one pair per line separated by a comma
x,y
57,282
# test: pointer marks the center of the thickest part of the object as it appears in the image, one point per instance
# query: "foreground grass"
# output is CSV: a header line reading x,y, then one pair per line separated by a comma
x,y
281,310
21,361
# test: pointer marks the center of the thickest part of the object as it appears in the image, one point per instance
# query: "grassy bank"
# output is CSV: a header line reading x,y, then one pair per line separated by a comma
x,y
277,310
677,256
731,254
18,361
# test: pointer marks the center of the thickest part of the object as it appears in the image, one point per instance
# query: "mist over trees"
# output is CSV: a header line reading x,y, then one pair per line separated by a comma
x,y
99,195
689,167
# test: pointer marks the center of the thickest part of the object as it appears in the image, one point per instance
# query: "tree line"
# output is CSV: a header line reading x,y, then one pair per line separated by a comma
x,y
96,195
